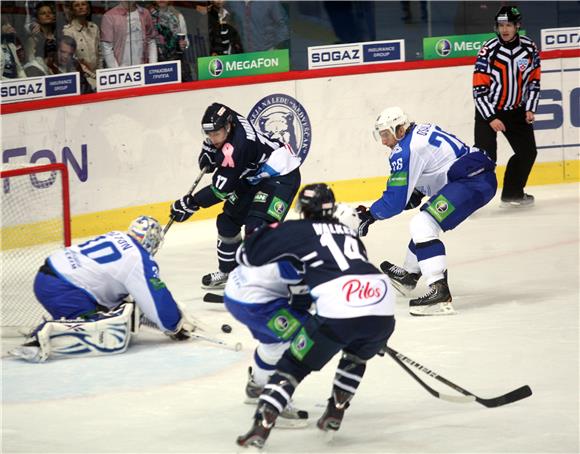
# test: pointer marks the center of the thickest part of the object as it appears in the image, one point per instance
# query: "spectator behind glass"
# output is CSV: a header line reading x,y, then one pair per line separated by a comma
x,y
10,66
42,40
262,25
128,36
224,39
171,35
64,61
87,36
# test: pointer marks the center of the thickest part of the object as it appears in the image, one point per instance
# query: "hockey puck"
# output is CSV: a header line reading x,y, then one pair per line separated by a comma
x,y
226,328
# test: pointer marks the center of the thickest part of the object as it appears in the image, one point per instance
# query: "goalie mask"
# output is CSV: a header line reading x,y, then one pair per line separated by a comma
x,y
216,116
148,232
316,202
388,120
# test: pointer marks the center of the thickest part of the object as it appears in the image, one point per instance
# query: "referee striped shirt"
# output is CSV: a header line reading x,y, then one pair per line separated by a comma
x,y
506,76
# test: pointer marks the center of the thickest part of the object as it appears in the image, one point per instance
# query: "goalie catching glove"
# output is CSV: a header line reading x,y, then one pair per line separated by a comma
x,y
366,219
183,208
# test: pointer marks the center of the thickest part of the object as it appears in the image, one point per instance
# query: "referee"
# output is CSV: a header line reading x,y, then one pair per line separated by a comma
x,y
506,90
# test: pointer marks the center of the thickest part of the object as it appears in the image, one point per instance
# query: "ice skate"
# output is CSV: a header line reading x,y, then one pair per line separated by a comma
x,y
437,300
526,201
402,280
30,351
264,421
253,390
292,418
214,281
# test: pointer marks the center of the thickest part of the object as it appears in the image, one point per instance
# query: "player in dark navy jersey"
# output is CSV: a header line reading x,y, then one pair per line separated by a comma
x,y
354,307
257,178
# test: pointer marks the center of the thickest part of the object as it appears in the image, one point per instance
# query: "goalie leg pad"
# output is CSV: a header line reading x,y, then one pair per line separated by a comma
x,y
107,334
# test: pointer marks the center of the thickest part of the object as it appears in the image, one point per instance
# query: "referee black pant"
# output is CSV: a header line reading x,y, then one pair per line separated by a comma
x,y
520,135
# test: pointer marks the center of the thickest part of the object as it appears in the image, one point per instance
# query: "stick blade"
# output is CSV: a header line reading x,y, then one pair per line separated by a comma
x,y
213,298
512,396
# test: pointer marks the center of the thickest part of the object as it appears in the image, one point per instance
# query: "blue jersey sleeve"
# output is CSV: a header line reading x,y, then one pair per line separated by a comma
x,y
394,198
152,295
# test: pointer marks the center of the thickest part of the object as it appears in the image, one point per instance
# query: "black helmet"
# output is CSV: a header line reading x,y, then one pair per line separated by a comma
x,y
316,201
216,116
508,14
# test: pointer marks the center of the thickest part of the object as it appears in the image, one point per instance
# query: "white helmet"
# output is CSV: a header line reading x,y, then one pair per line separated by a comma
x,y
389,119
148,232
345,214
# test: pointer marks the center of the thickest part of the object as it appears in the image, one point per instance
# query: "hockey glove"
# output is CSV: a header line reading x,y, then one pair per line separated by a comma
x,y
414,200
207,157
366,219
185,328
301,299
183,208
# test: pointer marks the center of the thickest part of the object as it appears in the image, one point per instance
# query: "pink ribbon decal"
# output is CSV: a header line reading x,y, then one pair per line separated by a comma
x,y
228,151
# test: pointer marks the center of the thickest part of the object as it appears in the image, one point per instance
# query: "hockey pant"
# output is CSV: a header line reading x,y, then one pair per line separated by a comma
x,y
273,324
316,343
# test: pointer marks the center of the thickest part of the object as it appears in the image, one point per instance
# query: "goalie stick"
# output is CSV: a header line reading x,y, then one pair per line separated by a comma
x,y
508,398
213,298
213,340
193,186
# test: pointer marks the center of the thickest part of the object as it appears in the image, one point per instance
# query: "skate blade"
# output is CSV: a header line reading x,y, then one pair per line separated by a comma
x,y
251,400
400,288
287,423
327,436
214,287
515,205
433,309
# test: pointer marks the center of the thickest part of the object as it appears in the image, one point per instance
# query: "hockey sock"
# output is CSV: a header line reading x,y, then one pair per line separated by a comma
x,y
411,263
348,375
226,251
265,358
432,260
278,391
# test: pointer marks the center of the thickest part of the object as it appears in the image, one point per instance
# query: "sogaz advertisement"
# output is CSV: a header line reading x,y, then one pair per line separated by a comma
x,y
250,64
455,45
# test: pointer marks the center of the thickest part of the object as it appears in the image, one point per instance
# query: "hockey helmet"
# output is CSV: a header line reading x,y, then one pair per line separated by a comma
x,y
316,201
388,120
148,232
347,215
508,14
216,116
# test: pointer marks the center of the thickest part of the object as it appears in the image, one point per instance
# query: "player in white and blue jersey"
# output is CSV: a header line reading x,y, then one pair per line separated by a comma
x,y
457,179
85,288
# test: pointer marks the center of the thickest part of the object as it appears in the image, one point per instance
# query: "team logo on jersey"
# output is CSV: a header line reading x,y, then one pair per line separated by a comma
x,y
215,67
443,47
301,344
359,292
283,118
283,324
260,197
440,208
277,208
522,64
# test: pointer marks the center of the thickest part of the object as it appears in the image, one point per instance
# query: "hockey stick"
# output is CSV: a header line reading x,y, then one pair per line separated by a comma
x,y
193,186
508,398
213,298
144,321
235,347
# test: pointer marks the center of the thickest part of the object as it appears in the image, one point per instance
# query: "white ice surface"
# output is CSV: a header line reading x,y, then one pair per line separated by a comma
x,y
514,276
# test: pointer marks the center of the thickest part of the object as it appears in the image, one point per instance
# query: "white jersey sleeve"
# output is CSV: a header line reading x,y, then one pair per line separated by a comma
x,y
261,284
